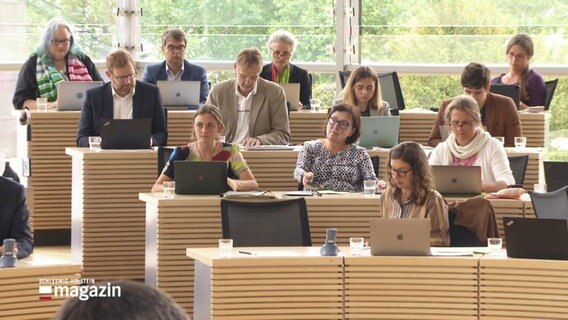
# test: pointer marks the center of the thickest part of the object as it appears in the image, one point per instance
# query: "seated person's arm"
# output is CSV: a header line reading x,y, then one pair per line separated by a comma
x,y
493,186
158,187
280,127
246,181
159,134
500,169
304,161
26,87
439,223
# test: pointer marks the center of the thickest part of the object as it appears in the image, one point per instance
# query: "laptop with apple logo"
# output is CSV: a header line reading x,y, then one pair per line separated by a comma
x,y
400,237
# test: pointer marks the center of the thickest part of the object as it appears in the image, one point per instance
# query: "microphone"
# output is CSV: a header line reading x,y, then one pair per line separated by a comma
x,y
330,248
8,258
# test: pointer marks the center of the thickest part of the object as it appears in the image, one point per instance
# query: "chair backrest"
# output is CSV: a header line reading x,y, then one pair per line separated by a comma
x,y
471,222
555,174
266,223
343,76
550,87
163,155
551,205
518,165
310,83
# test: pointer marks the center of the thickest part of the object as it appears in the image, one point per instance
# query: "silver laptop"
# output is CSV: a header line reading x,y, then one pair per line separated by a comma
x,y
457,181
71,94
400,237
292,93
379,131
180,94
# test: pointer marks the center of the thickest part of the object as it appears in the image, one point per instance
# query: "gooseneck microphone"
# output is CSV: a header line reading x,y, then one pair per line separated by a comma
x,y
329,248
8,258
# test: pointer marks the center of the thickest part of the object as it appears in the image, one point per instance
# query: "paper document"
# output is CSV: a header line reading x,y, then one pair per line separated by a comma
x,y
451,251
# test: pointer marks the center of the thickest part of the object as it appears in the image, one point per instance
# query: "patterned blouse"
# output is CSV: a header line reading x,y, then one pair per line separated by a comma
x,y
342,171
225,152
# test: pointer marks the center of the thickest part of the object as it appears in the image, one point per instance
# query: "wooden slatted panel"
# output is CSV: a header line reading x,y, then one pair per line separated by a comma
x,y
273,170
110,220
523,289
410,288
416,126
306,125
535,128
180,127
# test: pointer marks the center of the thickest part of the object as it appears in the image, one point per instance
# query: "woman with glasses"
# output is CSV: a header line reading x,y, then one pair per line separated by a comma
x,y
336,163
282,45
410,192
363,91
469,145
520,50
57,58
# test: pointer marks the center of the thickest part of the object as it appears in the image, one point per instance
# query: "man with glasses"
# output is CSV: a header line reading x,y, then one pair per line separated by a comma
x,y
122,98
498,113
176,67
254,110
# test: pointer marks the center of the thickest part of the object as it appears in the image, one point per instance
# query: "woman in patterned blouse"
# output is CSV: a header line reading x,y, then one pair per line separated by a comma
x,y
336,163
207,126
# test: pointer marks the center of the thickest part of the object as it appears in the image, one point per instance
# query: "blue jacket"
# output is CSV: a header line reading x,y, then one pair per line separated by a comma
x,y
14,216
146,104
191,72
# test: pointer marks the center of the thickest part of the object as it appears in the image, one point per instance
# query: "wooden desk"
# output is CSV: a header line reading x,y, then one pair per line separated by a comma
x,y
108,220
19,297
299,284
172,225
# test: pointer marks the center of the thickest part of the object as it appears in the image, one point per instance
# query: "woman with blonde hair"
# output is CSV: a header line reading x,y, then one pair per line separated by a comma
x,y
363,91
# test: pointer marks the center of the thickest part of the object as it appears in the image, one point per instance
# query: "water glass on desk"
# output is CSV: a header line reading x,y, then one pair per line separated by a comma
x,y
225,247
369,187
95,143
315,104
41,104
169,189
494,245
520,142
356,245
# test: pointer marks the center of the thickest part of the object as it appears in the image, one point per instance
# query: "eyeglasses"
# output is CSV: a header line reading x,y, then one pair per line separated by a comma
x,y
462,125
125,78
400,172
277,53
62,42
175,48
519,56
343,124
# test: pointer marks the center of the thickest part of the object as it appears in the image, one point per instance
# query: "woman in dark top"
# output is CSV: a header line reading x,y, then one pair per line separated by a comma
x,y
56,59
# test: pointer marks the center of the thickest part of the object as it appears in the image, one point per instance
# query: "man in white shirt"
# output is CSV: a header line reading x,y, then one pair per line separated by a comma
x,y
253,109
122,98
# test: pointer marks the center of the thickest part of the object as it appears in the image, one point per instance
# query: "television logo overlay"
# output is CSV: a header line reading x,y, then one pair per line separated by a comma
x,y
84,289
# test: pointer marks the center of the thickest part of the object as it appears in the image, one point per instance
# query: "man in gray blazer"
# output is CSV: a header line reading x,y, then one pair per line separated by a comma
x,y
253,109
175,67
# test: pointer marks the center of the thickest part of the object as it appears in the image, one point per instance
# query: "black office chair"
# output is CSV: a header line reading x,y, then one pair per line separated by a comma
x,y
343,76
163,155
471,222
550,87
518,165
460,236
266,223
555,174
551,205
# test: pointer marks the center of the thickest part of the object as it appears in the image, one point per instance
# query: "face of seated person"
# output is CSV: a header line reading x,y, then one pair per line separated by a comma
x,y
518,58
478,94
123,79
206,128
60,44
247,77
174,51
402,174
281,54
339,127
364,90
463,127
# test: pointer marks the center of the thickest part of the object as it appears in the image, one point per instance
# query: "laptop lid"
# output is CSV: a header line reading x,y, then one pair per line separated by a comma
x,y
457,180
292,93
512,91
180,94
400,237
379,131
200,177
536,238
71,94
125,133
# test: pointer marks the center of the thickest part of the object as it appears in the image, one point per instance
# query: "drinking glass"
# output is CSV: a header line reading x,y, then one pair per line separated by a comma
x,y
369,187
520,142
356,245
169,189
494,245
95,143
41,104
225,247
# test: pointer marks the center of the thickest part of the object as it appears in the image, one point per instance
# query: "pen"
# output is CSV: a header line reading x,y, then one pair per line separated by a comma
x,y
245,252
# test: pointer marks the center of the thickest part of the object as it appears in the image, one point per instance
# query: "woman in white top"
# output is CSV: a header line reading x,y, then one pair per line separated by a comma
x,y
470,145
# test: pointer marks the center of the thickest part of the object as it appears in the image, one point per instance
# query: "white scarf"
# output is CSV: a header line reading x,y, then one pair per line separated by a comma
x,y
464,152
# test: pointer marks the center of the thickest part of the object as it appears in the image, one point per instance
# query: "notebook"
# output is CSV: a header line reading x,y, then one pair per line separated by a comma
x,y
400,237
379,131
532,238
457,181
200,177
292,93
512,91
180,94
125,133
71,94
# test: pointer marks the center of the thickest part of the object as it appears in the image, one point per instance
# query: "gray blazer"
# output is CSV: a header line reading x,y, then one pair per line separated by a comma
x,y
268,115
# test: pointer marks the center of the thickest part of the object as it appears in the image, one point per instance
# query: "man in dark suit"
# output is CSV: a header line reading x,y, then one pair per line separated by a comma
x,y
14,217
175,67
122,98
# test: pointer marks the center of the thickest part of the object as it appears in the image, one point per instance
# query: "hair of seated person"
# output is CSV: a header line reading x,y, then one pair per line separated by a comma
x,y
137,302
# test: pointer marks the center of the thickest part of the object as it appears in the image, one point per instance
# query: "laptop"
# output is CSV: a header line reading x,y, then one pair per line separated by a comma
x,y
200,177
400,237
292,93
457,181
125,133
71,94
512,91
532,238
379,131
180,95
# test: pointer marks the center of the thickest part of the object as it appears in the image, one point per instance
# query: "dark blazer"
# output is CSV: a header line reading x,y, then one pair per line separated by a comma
x,y
14,216
191,72
297,75
146,104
